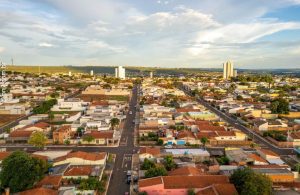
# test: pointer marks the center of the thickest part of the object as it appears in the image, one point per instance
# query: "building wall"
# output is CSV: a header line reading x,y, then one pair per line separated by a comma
x,y
282,178
79,161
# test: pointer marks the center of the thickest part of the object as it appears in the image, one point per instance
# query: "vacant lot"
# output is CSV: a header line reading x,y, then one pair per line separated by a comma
x,y
7,118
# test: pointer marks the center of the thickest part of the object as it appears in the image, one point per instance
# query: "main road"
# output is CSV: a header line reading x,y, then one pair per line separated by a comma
x,y
235,123
123,152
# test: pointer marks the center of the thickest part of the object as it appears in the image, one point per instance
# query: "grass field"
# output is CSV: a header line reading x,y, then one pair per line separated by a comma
x,y
41,69
99,69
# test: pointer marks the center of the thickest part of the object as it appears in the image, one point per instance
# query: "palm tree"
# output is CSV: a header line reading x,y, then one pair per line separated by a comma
x,y
204,140
114,122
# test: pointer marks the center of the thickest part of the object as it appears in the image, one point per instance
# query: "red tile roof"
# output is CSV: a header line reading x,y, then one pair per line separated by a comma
x,y
64,128
79,170
185,134
268,152
150,150
180,182
20,133
83,155
150,181
188,170
50,180
204,127
39,191
41,125
101,134
3,155
257,158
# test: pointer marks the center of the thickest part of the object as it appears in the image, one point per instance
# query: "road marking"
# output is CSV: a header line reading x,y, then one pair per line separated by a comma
x,y
126,157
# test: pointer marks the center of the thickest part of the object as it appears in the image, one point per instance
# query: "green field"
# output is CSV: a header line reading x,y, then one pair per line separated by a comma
x,y
99,69
41,69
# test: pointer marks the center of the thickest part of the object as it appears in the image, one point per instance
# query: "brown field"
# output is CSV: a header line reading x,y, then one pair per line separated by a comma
x,y
7,118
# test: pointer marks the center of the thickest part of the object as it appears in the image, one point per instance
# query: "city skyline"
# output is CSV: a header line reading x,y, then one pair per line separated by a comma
x,y
168,34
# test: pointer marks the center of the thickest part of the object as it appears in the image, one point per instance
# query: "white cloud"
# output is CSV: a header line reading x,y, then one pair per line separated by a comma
x,y
2,49
45,44
134,33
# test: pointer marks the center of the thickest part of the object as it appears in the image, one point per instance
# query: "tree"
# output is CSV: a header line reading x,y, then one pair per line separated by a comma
x,y
204,140
67,142
169,163
38,139
224,160
279,106
79,131
191,192
160,142
88,138
147,164
156,171
246,182
21,171
239,97
114,122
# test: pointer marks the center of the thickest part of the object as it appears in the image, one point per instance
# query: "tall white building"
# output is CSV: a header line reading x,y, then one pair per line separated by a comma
x,y
151,75
120,72
228,70
92,73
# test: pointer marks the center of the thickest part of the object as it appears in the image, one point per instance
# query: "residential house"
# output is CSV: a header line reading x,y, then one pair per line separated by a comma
x,y
150,153
82,158
101,137
62,134
179,185
19,136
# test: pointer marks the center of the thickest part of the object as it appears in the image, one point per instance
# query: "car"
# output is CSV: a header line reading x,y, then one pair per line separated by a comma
x,y
168,146
135,178
130,112
128,179
126,193
128,173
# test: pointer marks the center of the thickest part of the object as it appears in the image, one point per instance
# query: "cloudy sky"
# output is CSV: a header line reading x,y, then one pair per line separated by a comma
x,y
164,33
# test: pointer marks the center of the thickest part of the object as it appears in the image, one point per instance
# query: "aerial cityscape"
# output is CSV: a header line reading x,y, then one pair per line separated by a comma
x,y
162,97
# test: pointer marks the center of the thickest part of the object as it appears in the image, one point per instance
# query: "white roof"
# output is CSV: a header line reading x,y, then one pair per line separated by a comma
x,y
188,151
276,161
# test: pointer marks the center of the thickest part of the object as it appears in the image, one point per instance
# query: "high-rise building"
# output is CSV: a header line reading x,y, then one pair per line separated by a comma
x,y
120,72
151,75
235,73
70,73
228,70
92,73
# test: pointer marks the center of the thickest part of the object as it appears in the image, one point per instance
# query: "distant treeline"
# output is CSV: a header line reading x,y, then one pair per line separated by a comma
x,y
143,70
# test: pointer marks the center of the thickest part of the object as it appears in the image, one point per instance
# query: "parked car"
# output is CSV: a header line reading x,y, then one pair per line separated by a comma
x,y
128,173
128,179
135,178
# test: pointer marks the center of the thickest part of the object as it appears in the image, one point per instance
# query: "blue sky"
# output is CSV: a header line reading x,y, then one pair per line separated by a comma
x,y
165,33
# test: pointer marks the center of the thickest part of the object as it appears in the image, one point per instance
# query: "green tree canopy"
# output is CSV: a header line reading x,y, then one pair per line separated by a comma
x,y
38,139
156,171
248,182
88,138
204,140
169,163
114,122
147,164
21,171
280,106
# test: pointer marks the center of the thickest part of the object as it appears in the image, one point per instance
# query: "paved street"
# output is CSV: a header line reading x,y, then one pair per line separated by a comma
x,y
257,138
123,153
